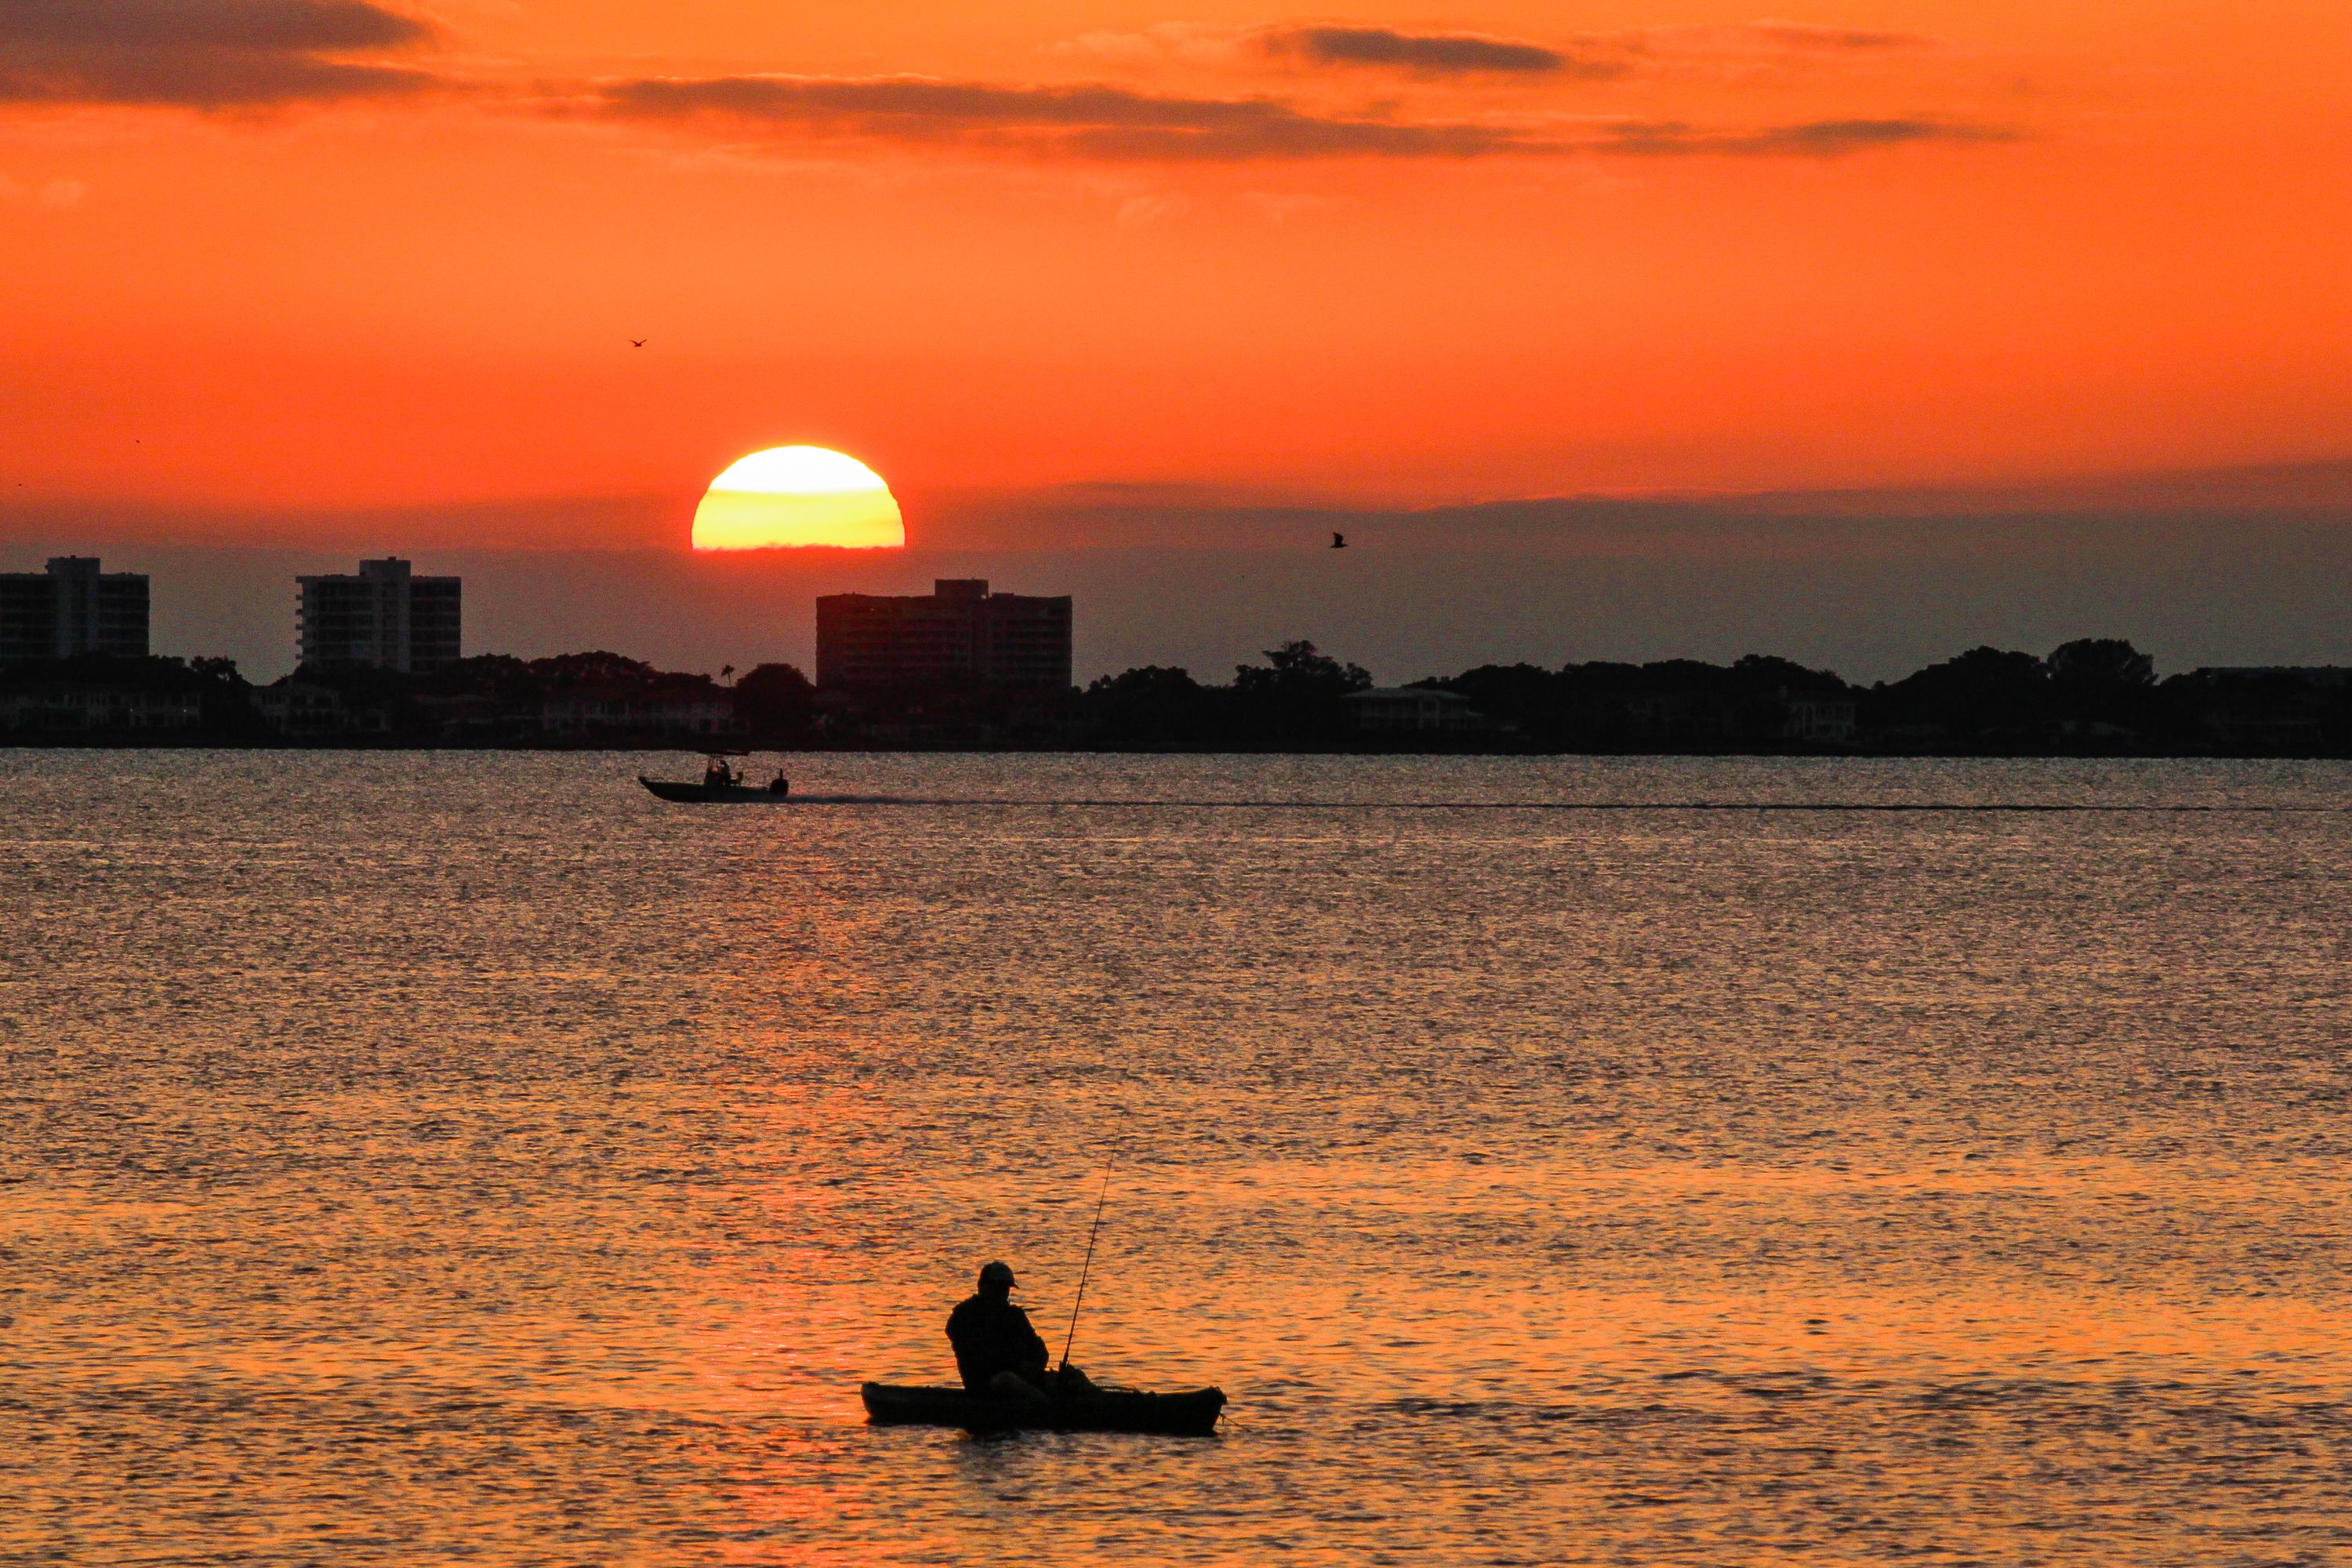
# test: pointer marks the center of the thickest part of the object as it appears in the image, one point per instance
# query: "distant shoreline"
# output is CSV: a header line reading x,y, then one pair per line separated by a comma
x,y
2089,697
1488,748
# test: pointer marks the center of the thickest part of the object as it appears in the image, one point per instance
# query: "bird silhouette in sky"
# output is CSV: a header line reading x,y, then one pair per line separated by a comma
x,y
1338,540
636,343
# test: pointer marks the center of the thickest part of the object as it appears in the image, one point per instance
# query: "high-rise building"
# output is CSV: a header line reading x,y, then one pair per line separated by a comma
x,y
383,617
961,634
72,608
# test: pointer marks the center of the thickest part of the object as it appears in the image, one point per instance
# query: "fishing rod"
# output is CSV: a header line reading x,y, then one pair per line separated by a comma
x,y
1070,1338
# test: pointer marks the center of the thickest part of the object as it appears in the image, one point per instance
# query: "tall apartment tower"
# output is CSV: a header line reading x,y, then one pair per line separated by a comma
x,y
960,633
72,608
382,618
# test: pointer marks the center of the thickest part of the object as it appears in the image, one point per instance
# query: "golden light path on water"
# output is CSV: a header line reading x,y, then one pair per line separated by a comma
x,y
422,1157
792,497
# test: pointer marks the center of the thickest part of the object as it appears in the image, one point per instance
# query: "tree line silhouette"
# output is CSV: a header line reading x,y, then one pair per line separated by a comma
x,y
2088,697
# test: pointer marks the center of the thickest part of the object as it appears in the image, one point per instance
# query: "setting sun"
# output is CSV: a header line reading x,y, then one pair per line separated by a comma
x,y
793,495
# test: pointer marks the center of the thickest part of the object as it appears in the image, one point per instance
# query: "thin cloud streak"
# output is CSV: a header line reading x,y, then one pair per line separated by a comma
x,y
1808,139
262,25
1590,56
1092,122
202,54
1426,54
1811,36
1118,125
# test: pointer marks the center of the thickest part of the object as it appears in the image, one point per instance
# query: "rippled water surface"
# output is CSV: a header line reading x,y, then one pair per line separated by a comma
x,y
421,1158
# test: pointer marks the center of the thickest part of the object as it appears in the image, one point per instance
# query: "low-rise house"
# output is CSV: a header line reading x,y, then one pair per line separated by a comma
x,y
581,712
66,706
2281,708
1683,716
470,718
302,709
1822,721
1410,709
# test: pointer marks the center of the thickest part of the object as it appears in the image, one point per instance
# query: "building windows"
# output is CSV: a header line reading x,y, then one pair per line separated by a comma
x,y
70,609
959,634
383,617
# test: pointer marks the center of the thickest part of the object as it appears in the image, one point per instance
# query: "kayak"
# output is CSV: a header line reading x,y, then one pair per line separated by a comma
x,y
679,790
1192,1414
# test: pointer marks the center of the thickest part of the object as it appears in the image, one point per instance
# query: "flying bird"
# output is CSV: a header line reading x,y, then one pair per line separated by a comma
x,y
1338,540
636,343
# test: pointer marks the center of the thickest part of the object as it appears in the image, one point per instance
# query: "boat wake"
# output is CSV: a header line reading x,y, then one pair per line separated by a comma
x,y
1958,807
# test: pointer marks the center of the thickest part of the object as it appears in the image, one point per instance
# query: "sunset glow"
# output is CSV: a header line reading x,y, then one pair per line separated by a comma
x,y
1384,252
788,497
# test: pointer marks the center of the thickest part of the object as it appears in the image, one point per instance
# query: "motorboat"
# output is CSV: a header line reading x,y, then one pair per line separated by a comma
x,y
721,784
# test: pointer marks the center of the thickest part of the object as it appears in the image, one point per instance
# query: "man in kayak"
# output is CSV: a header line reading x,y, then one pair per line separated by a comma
x,y
996,1350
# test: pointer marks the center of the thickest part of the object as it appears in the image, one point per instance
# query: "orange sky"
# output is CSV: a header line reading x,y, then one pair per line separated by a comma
x,y
297,254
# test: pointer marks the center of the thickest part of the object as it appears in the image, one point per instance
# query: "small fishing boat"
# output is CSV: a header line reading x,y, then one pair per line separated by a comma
x,y
721,784
1192,1414
703,793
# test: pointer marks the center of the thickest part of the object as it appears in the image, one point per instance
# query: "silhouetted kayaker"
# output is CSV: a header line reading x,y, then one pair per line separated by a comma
x,y
996,1350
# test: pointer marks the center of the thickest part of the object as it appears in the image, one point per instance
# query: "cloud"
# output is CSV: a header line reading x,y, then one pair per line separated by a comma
x,y
1427,54
1119,125
1860,522
1163,41
1807,139
1588,57
202,54
1105,124
1809,36
1766,39
1143,211
56,195
1341,45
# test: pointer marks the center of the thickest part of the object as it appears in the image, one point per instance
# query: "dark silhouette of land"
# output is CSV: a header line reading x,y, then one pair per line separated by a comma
x,y
2095,696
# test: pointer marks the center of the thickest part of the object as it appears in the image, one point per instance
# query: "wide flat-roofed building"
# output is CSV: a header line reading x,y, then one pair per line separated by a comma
x,y
72,608
959,634
383,616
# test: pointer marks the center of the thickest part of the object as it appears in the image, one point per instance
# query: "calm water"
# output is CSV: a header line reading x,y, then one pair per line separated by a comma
x,y
421,1158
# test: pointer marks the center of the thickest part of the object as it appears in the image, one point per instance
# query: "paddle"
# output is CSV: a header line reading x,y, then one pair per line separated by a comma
x,y
1070,1338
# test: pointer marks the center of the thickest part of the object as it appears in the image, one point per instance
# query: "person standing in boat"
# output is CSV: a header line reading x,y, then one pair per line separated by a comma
x,y
997,1351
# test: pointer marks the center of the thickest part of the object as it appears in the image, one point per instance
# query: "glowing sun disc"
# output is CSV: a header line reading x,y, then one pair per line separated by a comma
x,y
788,497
